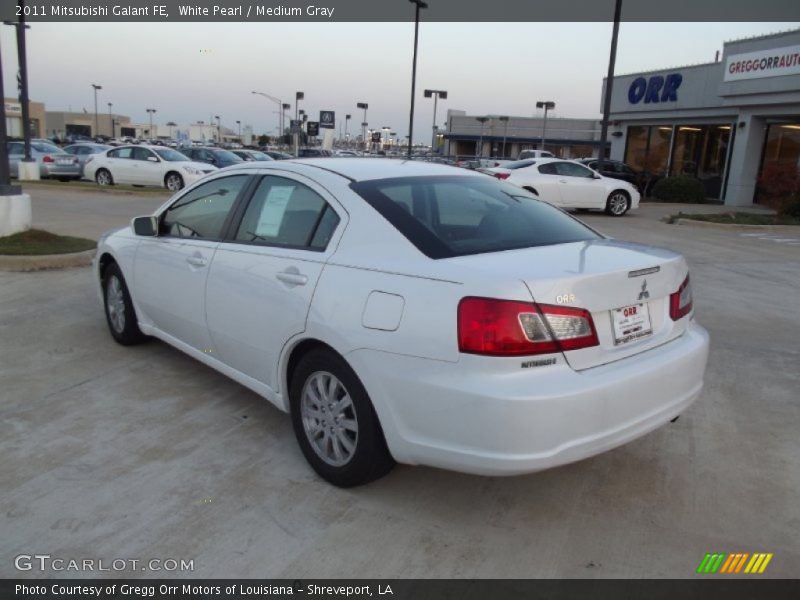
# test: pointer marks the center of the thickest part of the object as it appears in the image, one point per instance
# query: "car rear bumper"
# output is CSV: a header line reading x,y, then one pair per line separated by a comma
x,y
468,417
54,170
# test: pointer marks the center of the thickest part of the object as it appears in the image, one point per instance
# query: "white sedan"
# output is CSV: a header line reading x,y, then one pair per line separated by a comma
x,y
411,312
145,165
569,184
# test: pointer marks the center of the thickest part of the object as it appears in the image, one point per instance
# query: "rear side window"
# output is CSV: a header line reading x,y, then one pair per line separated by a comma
x,y
121,153
284,212
456,215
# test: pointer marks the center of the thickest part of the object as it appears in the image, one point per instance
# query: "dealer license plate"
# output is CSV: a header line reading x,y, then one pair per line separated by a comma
x,y
64,161
631,323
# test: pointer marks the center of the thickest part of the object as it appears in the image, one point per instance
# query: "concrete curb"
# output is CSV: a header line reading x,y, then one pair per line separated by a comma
x,y
46,261
739,226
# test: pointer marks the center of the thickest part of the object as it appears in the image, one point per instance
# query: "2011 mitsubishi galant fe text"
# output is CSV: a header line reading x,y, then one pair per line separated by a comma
x,y
411,312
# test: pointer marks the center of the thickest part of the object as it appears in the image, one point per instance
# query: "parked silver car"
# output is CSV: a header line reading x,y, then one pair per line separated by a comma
x,y
83,151
53,162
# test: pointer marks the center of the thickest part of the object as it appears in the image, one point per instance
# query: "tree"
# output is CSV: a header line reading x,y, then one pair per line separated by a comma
x,y
263,140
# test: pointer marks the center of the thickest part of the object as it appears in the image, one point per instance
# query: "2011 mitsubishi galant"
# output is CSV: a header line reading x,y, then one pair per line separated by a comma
x,y
411,312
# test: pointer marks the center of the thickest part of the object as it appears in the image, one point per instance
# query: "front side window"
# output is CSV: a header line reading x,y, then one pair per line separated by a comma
x,y
142,154
455,215
284,212
201,213
170,155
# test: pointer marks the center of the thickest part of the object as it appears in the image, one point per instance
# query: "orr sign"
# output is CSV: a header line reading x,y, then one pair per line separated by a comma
x,y
655,89
763,63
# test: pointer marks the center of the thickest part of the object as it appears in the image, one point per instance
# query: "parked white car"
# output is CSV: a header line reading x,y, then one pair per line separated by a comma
x,y
145,165
569,184
412,312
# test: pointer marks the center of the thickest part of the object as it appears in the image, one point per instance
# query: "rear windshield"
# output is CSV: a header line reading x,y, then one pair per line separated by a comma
x,y
454,215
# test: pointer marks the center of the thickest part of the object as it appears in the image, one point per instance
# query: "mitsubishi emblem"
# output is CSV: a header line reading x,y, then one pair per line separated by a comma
x,y
644,294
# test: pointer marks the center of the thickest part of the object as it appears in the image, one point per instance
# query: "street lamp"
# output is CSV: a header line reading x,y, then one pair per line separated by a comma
x,y
111,119
546,105
365,106
96,122
219,130
481,120
297,97
436,95
239,123
281,106
419,4
346,122
151,111
504,120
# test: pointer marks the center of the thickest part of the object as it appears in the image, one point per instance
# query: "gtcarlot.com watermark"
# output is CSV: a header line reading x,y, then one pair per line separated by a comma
x,y
46,562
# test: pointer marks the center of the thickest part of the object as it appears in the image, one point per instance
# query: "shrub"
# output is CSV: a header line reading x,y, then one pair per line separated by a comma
x,y
779,188
679,189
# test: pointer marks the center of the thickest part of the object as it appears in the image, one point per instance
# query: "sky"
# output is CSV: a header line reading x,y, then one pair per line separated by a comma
x,y
190,71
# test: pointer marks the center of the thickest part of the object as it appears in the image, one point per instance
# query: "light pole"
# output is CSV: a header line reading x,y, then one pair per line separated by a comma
x,y
364,123
22,79
436,95
111,119
219,129
482,121
612,59
239,123
504,120
546,105
281,106
419,4
346,123
151,111
385,135
96,122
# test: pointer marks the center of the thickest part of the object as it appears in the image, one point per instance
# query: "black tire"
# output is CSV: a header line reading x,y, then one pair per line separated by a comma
x,y
370,458
103,177
618,203
173,181
117,304
65,179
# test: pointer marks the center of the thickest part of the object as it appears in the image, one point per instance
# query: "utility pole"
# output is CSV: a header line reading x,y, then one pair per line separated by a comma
x,y
612,59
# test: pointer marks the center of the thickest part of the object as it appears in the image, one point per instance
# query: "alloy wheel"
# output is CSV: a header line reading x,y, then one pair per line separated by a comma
x,y
329,418
115,304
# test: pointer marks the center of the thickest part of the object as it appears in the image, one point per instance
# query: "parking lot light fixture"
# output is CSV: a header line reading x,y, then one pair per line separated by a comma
x,y
239,123
546,105
419,4
479,149
219,129
96,121
151,112
364,106
504,120
436,94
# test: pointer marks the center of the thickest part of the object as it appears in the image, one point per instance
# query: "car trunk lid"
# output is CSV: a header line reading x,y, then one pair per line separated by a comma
x,y
625,286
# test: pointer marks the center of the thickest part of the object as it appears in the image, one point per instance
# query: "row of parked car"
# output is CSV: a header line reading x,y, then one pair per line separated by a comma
x,y
565,183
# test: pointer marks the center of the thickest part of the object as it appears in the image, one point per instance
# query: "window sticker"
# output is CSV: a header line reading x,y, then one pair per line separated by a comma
x,y
269,223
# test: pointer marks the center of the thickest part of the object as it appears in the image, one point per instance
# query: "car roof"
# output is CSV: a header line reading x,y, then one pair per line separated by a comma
x,y
366,169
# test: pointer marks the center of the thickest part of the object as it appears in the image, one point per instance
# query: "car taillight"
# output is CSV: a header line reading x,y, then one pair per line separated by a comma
x,y
680,303
48,159
502,175
510,328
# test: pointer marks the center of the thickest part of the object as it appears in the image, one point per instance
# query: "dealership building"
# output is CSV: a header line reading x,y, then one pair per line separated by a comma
x,y
722,122
501,136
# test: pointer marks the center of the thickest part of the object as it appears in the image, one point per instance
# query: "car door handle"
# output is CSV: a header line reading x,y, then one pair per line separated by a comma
x,y
292,278
196,260
563,181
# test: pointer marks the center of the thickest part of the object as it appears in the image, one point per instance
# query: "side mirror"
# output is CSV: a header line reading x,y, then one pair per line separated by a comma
x,y
596,176
145,226
152,159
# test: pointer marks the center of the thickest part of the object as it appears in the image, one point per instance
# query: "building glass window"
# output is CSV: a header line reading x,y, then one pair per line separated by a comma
x,y
647,148
781,151
701,151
